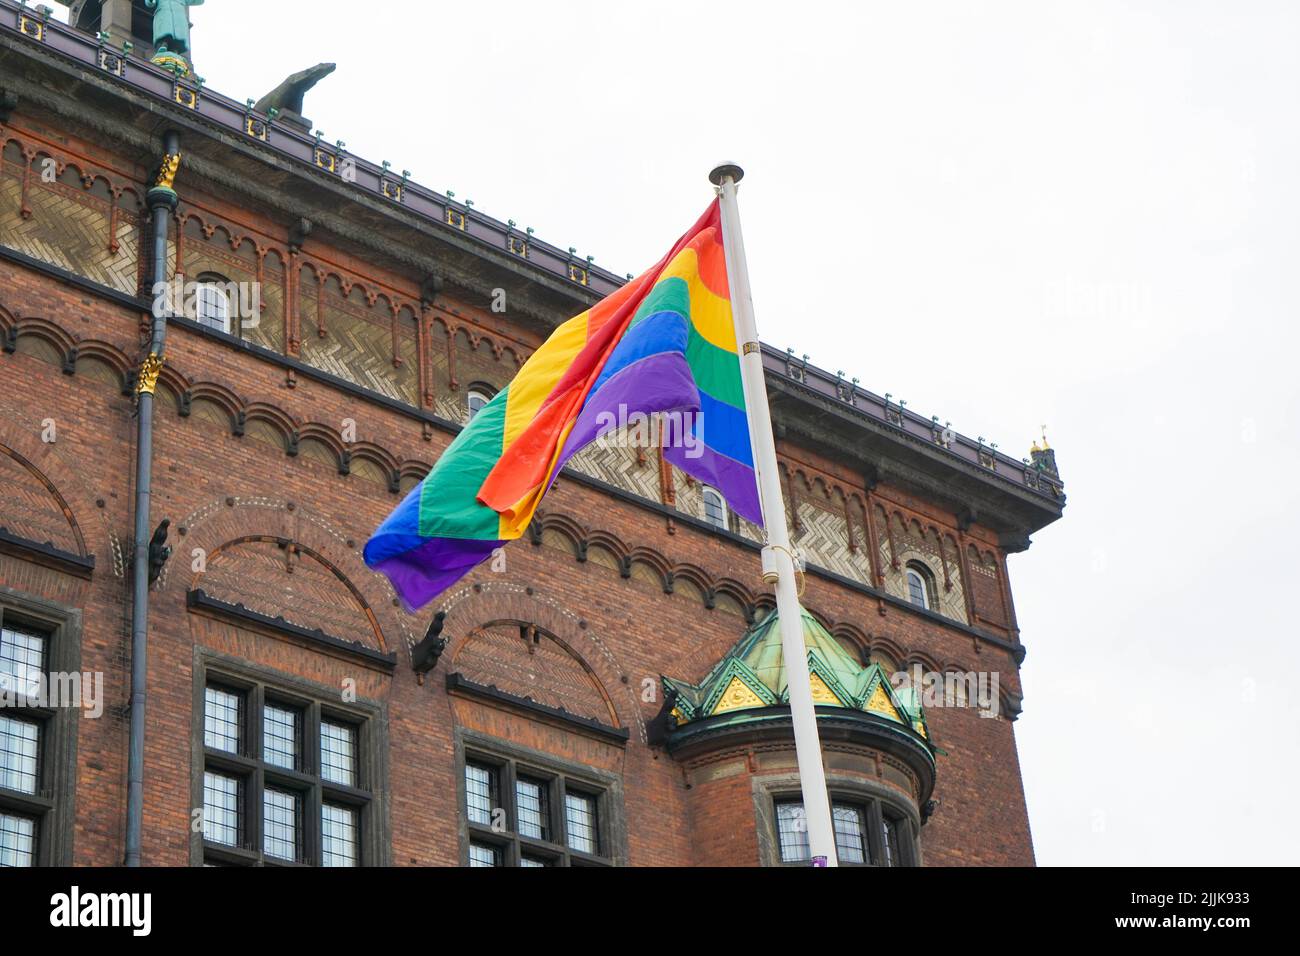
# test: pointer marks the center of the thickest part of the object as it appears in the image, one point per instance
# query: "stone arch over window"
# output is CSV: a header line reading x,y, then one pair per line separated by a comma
x,y
528,661
73,513
255,532
280,578
588,666
34,508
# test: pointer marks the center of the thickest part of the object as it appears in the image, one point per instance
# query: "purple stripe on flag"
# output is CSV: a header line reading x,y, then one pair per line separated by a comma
x,y
735,481
421,574
657,383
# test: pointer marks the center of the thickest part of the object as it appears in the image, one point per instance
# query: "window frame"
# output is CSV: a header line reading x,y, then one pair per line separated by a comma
x,y
300,736
926,577
873,805
221,285
315,704
906,842
510,764
52,807
862,814
357,817
242,729
479,390
705,491
546,810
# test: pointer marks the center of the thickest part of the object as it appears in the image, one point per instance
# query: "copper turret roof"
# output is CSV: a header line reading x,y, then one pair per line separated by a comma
x,y
751,676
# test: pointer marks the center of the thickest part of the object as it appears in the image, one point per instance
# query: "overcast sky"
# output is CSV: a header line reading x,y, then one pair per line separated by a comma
x,y
1009,214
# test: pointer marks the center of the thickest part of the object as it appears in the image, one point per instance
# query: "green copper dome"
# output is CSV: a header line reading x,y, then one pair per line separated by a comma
x,y
751,675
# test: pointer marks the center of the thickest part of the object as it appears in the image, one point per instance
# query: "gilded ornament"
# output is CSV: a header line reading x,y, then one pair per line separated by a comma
x,y
821,693
737,696
150,369
879,703
171,164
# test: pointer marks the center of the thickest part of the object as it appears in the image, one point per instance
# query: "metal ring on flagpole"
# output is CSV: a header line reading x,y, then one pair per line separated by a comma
x,y
725,170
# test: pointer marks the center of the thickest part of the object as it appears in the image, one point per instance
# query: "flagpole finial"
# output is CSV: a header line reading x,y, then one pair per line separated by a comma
x,y
723,171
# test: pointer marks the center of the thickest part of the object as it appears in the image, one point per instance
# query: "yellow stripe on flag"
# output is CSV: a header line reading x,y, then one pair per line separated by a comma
x,y
710,313
537,379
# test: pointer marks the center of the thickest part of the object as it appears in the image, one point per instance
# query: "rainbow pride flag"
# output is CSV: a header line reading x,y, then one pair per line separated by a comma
x,y
665,342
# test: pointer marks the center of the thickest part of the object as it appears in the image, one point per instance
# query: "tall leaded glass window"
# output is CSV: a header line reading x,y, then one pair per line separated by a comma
x,y
22,674
480,793
20,742
850,847
531,806
339,837
284,777
792,832
338,752
890,842
223,720
580,822
37,725
281,735
222,809
282,829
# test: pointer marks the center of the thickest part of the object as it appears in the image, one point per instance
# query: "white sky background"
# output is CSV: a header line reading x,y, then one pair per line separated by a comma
x,y
1008,214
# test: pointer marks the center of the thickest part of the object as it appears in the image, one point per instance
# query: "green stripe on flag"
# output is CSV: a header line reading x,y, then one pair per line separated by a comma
x,y
668,295
716,371
449,506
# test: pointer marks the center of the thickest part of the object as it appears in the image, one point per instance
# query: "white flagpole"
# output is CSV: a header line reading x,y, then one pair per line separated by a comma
x,y
778,559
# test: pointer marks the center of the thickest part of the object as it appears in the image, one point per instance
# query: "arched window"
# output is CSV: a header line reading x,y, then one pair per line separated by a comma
x,y
475,399
212,301
715,508
920,585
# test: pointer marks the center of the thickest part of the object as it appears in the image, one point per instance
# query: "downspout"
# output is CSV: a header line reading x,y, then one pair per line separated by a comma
x,y
161,200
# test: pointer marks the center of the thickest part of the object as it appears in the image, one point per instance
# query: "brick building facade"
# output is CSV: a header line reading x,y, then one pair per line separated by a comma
x,y
294,710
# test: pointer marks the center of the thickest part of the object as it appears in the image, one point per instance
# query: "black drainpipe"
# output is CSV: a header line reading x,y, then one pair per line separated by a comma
x,y
161,200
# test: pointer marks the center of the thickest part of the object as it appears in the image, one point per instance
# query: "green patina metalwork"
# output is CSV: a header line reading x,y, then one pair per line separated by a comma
x,y
757,660
171,25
